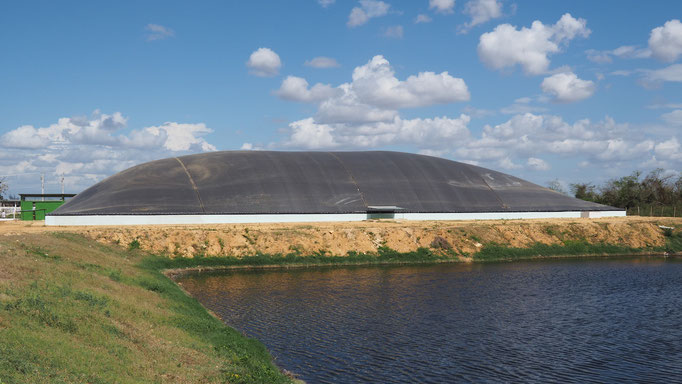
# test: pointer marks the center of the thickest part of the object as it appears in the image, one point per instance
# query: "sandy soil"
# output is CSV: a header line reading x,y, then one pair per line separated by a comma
x,y
465,237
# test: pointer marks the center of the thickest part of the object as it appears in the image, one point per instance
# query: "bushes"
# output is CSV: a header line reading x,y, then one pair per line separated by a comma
x,y
654,190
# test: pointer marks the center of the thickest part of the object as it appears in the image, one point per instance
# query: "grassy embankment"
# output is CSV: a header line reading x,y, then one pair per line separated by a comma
x,y
75,311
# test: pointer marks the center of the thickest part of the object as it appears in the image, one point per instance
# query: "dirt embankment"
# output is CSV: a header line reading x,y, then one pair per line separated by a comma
x,y
465,237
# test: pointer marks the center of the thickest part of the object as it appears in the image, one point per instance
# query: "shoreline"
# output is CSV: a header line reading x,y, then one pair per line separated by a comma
x,y
173,273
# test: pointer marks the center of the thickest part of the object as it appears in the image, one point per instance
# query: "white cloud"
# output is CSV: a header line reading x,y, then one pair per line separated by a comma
x,y
79,130
24,137
395,32
375,94
672,73
528,136
421,18
673,118
250,147
427,133
307,134
326,3
507,163
364,112
521,106
264,62
506,46
631,52
442,6
480,12
625,51
182,137
666,42
669,149
296,89
665,106
375,84
537,164
158,32
567,87
87,149
322,62
368,9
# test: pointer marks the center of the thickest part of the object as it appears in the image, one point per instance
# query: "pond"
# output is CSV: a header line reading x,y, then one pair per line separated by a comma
x,y
577,320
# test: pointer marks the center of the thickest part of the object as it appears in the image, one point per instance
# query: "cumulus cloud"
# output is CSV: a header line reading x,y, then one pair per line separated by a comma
x,y
395,32
296,89
250,147
480,12
673,118
322,62
264,62
365,112
375,93
442,6
567,87
527,136
87,149
507,46
158,32
309,134
368,9
665,42
421,18
537,164
375,83
80,130
669,149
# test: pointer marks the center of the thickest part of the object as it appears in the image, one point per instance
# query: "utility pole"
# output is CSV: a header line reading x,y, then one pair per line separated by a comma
x,y
62,181
42,186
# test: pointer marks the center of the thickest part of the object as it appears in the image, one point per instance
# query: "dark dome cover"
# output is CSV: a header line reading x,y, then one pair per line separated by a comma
x,y
267,182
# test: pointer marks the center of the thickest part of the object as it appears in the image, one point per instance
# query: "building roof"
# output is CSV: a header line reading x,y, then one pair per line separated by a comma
x,y
267,182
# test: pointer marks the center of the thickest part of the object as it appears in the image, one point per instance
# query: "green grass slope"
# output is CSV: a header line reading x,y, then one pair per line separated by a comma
x,y
75,311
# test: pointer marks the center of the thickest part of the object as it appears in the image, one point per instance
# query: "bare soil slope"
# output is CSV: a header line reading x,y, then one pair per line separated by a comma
x,y
465,237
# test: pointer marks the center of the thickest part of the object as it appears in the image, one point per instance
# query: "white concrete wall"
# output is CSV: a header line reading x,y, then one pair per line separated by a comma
x,y
230,219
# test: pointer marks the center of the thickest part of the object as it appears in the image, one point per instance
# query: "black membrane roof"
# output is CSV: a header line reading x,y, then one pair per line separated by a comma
x,y
268,182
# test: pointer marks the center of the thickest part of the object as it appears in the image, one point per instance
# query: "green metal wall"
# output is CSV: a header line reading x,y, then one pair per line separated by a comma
x,y
42,207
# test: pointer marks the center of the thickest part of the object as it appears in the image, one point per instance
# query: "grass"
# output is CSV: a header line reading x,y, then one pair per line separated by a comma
x,y
494,252
673,242
384,255
75,311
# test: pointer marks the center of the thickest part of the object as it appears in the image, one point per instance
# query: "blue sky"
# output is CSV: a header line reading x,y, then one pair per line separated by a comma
x,y
541,90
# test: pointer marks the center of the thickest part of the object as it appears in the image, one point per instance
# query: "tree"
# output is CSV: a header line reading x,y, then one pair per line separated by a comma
x,y
584,191
3,188
625,192
555,185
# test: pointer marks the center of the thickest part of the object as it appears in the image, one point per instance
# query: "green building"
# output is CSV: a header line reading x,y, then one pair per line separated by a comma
x,y
34,206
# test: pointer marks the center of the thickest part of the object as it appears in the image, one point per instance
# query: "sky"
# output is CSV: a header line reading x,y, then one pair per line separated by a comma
x,y
544,90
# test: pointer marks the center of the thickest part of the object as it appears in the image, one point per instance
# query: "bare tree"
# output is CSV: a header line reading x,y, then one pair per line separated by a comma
x,y
555,185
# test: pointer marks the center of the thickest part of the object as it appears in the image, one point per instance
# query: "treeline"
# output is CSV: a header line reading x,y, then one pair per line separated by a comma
x,y
635,191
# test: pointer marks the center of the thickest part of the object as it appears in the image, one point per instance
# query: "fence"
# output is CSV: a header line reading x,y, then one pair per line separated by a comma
x,y
10,213
15,213
656,210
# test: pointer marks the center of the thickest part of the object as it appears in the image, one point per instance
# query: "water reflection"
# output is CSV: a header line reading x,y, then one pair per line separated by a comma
x,y
569,320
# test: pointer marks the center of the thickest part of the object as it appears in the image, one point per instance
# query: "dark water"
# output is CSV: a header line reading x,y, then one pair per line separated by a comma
x,y
552,321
